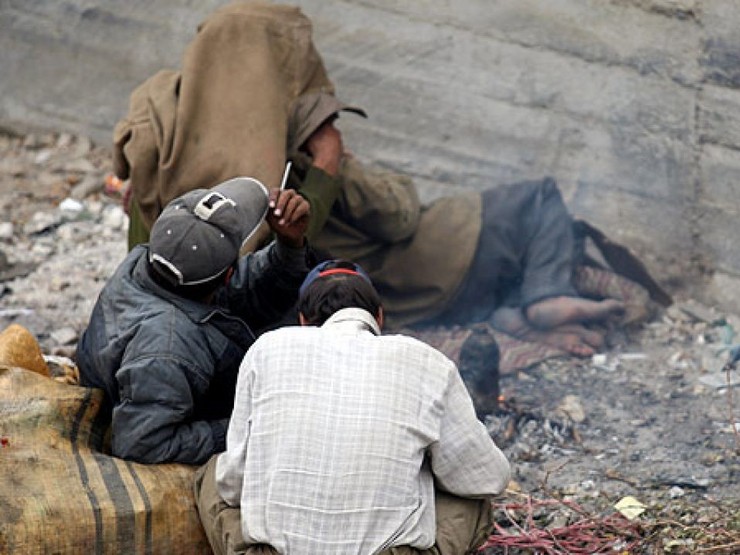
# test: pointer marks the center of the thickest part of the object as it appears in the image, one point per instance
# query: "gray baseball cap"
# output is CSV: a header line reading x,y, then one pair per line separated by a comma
x,y
199,234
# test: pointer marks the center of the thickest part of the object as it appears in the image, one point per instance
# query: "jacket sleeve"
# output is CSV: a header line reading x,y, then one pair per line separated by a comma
x,y
465,460
265,284
321,190
382,204
153,421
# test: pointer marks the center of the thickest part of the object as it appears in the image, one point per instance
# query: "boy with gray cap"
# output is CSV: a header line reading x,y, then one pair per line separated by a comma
x,y
171,326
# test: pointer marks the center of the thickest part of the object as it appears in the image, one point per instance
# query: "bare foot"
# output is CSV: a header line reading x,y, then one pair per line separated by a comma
x,y
556,311
594,338
569,342
571,338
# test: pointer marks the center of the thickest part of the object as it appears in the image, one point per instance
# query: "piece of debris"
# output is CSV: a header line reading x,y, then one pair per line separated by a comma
x,y
630,507
720,380
701,313
64,336
6,230
571,408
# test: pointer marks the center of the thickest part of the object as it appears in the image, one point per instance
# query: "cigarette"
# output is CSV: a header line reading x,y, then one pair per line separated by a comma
x,y
285,175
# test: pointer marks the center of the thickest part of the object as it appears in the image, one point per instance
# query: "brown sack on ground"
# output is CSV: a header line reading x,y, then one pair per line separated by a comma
x,y
18,347
59,493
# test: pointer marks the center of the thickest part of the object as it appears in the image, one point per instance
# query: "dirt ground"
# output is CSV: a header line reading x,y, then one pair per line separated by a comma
x,y
655,417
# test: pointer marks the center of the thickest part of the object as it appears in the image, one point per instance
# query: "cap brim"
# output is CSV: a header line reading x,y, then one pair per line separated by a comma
x,y
252,201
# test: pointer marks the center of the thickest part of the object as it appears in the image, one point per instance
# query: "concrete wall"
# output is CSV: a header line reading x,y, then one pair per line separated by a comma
x,y
632,105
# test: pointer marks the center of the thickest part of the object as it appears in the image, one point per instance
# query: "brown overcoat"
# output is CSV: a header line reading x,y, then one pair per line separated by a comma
x,y
417,256
225,114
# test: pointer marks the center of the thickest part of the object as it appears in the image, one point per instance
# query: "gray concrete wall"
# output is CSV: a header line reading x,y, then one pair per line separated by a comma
x,y
632,105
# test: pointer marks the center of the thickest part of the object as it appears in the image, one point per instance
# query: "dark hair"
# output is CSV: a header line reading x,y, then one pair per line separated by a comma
x,y
326,294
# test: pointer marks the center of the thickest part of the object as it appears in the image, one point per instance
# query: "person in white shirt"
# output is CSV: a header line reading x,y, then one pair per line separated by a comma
x,y
345,441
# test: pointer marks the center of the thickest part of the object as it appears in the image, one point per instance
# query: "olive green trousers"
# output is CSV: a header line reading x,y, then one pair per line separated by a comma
x,y
463,525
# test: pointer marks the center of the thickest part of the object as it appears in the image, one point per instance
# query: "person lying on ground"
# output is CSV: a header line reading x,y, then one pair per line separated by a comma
x,y
171,326
344,440
505,256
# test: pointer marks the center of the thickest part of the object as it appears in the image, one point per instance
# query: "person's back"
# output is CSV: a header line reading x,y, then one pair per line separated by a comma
x,y
341,426
339,436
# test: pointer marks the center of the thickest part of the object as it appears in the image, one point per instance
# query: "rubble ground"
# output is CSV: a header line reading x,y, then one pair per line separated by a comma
x,y
655,419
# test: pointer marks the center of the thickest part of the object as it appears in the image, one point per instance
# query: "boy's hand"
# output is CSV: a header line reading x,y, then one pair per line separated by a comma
x,y
287,216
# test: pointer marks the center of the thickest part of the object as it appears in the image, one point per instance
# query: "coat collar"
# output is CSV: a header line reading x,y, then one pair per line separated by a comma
x,y
353,319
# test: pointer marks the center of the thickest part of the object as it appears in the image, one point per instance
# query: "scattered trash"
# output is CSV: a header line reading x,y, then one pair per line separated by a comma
x,y
570,407
684,483
632,356
114,218
42,157
676,492
599,359
701,313
520,526
603,362
6,230
71,207
630,507
720,380
610,363
683,543
64,336
15,312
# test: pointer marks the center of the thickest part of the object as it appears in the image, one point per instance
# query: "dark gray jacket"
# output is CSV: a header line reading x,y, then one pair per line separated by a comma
x,y
168,365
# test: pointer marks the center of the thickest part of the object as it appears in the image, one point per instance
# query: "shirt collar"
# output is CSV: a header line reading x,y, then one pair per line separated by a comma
x,y
357,319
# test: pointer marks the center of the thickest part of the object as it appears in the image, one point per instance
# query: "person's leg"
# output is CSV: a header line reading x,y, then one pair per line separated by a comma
x,y
549,251
548,296
221,522
137,230
463,525
571,338
557,311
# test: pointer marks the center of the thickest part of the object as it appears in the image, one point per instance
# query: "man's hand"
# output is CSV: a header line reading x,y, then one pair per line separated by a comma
x,y
288,216
326,148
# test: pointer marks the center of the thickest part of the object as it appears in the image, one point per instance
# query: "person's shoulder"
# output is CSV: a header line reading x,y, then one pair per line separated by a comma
x,y
417,346
285,334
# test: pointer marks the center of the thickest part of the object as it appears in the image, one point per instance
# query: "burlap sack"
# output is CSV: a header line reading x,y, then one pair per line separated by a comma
x,y
61,494
18,347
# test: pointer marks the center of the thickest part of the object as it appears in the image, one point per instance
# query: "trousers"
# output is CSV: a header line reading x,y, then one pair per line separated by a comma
x,y
463,524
